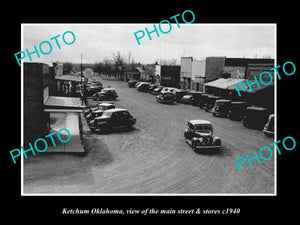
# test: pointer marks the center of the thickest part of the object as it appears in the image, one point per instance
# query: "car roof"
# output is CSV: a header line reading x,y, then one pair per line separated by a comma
x,y
108,89
254,108
223,100
239,103
195,122
213,96
105,103
115,110
98,111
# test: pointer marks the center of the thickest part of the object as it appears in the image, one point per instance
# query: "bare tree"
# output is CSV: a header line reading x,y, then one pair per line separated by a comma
x,y
118,62
166,61
129,56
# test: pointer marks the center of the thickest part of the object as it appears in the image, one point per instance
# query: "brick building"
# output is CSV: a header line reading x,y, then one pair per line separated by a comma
x,y
44,113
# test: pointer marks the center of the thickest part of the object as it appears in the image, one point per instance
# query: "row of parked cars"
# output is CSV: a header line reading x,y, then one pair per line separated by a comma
x,y
250,116
104,117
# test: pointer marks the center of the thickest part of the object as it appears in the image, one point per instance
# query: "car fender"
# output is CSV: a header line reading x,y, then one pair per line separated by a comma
x,y
216,141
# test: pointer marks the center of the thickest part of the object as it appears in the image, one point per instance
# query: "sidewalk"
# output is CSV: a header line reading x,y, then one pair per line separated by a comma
x,y
69,121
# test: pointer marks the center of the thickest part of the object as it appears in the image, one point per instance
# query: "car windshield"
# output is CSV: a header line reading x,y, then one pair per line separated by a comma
x,y
203,128
220,103
105,107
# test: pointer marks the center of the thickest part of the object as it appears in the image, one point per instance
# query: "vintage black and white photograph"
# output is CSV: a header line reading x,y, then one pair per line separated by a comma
x,y
148,109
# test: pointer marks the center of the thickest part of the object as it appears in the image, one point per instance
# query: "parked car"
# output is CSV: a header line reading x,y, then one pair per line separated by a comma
x,y
165,97
187,99
210,102
95,112
143,87
157,90
196,97
137,84
199,134
269,127
255,117
237,110
152,87
132,83
111,119
169,89
93,82
203,100
106,94
221,107
92,89
179,93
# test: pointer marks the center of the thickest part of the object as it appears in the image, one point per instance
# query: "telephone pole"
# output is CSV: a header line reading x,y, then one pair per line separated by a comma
x,y
81,90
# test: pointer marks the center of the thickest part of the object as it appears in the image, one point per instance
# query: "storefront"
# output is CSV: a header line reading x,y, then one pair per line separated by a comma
x,y
64,112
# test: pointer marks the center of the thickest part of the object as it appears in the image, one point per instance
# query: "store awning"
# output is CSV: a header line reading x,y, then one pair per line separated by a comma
x,y
69,78
229,84
223,83
254,87
63,104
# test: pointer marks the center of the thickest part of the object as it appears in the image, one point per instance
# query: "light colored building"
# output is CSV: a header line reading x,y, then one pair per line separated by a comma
x,y
198,75
186,72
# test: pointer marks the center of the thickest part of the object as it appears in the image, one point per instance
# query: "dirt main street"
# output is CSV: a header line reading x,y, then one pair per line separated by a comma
x,y
154,158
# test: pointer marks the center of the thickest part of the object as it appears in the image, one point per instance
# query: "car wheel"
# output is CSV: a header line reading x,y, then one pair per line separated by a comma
x,y
193,146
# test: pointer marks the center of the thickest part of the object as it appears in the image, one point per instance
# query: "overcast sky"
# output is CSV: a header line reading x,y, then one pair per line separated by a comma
x,y
97,41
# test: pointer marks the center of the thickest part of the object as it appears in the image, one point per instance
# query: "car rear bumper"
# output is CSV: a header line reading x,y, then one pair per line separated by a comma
x,y
207,146
166,101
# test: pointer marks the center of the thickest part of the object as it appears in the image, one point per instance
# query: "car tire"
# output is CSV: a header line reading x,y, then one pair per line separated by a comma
x,y
193,146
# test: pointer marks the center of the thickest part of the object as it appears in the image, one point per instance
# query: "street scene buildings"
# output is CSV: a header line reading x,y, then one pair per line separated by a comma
x,y
166,126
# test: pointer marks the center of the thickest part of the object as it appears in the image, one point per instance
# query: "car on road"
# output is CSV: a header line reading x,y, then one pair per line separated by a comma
x,y
187,99
157,90
169,89
221,107
95,112
237,110
269,127
132,83
152,87
179,93
143,87
105,94
210,102
196,97
199,134
111,119
203,100
92,89
255,117
165,97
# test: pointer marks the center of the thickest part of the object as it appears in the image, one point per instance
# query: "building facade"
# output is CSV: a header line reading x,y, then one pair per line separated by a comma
x,y
198,75
36,91
43,113
186,73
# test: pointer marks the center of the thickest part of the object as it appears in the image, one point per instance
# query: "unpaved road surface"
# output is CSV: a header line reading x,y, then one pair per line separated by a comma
x,y
154,158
